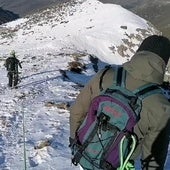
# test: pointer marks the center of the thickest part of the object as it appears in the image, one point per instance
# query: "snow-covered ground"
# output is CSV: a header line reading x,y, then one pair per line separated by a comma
x,y
34,118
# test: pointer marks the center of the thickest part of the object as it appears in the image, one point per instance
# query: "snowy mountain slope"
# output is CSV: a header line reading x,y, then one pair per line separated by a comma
x,y
74,25
34,121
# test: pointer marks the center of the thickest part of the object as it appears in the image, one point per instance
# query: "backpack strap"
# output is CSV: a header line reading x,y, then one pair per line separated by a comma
x,y
101,78
120,77
147,90
120,80
141,92
117,80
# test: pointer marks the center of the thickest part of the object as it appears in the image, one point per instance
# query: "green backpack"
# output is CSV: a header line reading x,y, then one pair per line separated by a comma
x,y
105,140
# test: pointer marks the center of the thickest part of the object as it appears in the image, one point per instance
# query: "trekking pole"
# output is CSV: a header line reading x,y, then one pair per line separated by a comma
x,y
126,165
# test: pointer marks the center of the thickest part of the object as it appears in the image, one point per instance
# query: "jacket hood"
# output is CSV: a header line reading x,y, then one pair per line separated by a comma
x,y
146,66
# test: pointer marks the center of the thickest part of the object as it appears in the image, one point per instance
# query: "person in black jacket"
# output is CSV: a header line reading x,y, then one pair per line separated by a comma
x,y
11,65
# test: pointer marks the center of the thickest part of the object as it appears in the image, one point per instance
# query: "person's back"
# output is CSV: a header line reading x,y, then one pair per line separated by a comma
x,y
11,65
146,66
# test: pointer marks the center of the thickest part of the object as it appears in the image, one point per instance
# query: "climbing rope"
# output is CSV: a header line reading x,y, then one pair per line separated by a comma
x,y
24,147
126,165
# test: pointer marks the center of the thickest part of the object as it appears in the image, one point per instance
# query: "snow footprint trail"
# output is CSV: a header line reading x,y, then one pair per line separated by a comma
x,y
43,123
29,100
14,112
11,128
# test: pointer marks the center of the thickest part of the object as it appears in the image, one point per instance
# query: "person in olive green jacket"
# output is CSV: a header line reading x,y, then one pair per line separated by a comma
x,y
153,129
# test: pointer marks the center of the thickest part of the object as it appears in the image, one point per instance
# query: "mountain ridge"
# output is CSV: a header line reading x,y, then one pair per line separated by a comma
x,y
33,23
7,16
156,12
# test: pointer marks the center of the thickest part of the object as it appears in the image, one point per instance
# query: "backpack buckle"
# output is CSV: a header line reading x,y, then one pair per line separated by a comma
x,y
133,102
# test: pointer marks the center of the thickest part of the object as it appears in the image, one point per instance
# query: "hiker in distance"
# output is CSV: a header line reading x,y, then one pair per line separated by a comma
x,y
12,64
153,128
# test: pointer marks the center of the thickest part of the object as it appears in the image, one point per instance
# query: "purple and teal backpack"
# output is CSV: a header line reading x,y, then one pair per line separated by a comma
x,y
105,140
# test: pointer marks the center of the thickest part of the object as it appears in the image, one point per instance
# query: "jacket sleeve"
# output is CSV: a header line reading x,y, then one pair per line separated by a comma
x,y
153,131
81,105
